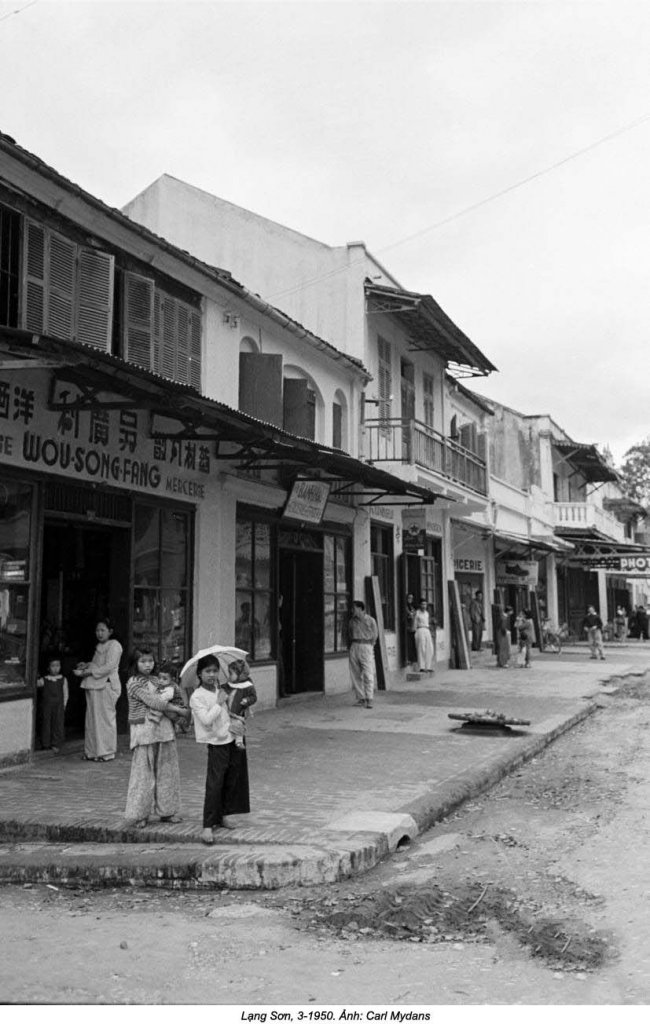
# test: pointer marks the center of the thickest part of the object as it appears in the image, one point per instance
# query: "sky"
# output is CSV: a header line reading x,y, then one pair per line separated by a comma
x,y
386,122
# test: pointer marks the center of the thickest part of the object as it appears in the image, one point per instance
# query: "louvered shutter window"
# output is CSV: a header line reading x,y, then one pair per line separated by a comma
x,y
61,287
194,373
138,320
95,307
33,317
385,378
167,336
182,342
177,341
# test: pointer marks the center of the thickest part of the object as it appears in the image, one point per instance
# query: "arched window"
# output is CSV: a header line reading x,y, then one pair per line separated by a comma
x,y
248,344
303,404
339,421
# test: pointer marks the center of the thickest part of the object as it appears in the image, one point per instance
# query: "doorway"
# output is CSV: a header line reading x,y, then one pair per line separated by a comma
x,y
301,622
85,576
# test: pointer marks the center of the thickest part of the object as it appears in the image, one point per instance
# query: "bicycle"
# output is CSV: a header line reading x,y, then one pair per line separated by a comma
x,y
552,638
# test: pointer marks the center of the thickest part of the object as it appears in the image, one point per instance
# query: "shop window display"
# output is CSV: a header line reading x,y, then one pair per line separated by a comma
x,y
15,525
253,596
161,577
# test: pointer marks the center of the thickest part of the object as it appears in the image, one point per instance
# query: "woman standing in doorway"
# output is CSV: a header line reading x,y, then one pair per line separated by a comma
x,y
411,653
423,639
101,681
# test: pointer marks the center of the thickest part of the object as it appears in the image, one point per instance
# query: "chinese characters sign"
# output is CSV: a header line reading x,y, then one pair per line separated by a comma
x,y
307,501
101,445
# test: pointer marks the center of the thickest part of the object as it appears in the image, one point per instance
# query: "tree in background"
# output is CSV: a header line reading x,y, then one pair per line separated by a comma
x,y
635,472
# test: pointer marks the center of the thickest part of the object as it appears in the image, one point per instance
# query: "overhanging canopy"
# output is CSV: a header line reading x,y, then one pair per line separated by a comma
x,y
625,509
429,328
103,380
587,460
594,550
511,543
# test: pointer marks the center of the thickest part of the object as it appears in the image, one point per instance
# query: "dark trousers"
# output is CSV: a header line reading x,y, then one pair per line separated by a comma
x,y
52,727
477,635
226,783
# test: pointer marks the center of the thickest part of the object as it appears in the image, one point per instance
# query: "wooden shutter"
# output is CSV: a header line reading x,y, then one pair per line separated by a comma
x,y
168,333
260,386
385,378
61,276
481,446
337,425
296,408
138,320
182,342
194,371
95,307
33,313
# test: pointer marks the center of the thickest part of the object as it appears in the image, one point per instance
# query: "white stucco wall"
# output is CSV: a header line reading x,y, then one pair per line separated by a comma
x,y
301,276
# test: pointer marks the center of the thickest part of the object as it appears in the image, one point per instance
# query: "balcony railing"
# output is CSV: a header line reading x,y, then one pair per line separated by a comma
x,y
415,443
581,515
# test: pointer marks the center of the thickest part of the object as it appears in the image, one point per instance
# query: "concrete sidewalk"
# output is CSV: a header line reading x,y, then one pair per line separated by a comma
x,y
334,788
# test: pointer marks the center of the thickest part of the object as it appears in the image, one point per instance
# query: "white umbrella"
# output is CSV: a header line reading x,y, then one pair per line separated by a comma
x,y
189,677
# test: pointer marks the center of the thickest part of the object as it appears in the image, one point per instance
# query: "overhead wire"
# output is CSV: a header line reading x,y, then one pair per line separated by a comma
x,y
468,209
19,10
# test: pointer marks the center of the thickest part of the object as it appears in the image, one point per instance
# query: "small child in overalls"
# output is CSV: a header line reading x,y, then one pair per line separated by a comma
x,y
55,697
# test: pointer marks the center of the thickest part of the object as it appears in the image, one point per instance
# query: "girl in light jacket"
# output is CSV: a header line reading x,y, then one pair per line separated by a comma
x,y
226,784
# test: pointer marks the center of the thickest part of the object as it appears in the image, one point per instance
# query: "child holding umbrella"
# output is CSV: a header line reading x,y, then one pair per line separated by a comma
x,y
226,784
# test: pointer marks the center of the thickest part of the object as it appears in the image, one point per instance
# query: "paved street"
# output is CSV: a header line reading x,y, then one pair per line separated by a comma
x,y
318,768
563,839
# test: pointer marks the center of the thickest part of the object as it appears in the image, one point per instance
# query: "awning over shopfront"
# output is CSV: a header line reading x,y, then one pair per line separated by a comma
x,y
99,380
429,328
592,550
586,460
514,543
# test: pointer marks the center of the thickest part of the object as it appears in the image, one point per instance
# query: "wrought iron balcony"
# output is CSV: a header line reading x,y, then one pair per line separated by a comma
x,y
414,443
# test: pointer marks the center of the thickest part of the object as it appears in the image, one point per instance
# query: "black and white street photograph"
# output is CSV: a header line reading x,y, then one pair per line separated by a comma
x,y
324,509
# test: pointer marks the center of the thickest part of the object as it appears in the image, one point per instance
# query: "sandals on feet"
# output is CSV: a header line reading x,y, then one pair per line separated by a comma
x,y
207,837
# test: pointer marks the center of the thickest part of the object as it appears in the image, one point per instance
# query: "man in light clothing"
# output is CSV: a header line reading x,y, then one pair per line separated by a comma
x,y
594,627
362,636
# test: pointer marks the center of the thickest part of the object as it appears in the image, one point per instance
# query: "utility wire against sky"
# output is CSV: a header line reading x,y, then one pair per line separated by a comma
x,y
19,10
469,209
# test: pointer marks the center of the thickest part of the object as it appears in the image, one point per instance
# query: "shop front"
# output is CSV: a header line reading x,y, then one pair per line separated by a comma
x,y
422,572
292,597
91,525
470,556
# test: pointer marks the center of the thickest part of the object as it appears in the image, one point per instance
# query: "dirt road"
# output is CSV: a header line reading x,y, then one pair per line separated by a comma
x,y
535,894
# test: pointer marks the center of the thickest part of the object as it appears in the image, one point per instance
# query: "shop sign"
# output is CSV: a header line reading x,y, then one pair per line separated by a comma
x,y
632,564
307,501
469,565
518,574
99,445
416,524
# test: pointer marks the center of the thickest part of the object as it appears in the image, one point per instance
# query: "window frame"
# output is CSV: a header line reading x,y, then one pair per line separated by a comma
x,y
384,561
67,289
244,515
160,589
340,644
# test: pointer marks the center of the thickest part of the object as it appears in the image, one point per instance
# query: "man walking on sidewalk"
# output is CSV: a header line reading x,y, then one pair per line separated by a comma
x,y
594,626
477,619
362,637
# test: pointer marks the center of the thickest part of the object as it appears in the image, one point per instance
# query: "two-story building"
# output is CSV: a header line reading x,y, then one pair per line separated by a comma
x,y
414,421
561,527
149,470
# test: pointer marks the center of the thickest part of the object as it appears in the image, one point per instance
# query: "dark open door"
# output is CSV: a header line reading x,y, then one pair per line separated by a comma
x,y
301,587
